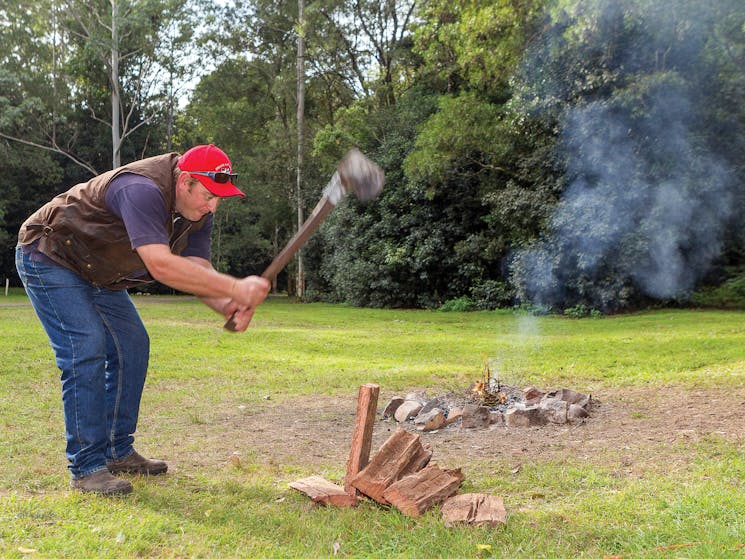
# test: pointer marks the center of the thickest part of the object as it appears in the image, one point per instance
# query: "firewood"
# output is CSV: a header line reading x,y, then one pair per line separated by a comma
x,y
474,508
359,454
323,491
418,492
402,454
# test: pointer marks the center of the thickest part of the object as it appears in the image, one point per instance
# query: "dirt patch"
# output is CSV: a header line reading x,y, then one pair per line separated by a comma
x,y
634,430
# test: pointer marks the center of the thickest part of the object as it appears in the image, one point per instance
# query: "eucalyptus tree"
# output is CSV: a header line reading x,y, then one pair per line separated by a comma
x,y
36,102
273,111
368,43
105,68
122,45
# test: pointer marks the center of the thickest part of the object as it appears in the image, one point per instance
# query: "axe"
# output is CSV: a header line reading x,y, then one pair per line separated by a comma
x,y
356,173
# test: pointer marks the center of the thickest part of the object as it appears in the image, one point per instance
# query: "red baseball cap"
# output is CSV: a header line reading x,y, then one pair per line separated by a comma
x,y
210,166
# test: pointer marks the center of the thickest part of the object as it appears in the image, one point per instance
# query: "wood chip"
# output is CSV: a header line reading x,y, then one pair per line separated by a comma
x,y
323,491
474,508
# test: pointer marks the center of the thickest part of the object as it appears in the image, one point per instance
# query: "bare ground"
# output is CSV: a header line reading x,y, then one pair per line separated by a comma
x,y
632,431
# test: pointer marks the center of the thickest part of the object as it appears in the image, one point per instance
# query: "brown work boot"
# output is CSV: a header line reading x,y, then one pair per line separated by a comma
x,y
101,482
137,464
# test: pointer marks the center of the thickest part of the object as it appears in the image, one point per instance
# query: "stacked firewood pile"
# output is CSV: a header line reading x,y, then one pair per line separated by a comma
x,y
401,474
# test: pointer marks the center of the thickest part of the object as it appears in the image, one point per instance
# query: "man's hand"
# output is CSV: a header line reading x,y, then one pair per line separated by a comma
x,y
250,292
256,289
239,317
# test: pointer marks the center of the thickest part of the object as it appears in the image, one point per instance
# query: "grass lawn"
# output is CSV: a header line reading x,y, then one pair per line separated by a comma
x,y
226,496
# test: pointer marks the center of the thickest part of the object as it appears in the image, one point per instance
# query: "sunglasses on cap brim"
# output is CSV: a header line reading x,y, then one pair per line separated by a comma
x,y
217,176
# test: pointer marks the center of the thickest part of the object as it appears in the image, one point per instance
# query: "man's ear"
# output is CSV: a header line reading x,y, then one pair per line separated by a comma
x,y
183,181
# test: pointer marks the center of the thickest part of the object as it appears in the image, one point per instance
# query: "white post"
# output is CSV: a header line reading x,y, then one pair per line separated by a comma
x,y
7,285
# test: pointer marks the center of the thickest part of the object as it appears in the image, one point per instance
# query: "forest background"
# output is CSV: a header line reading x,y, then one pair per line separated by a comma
x,y
582,156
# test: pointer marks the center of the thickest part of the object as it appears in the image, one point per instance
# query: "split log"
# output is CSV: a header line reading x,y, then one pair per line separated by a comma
x,y
474,508
402,454
323,491
359,454
419,492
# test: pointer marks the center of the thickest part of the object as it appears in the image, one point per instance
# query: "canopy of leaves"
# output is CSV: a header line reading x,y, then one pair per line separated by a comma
x,y
560,153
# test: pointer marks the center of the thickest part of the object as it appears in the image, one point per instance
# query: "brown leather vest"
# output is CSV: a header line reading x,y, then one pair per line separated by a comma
x,y
76,230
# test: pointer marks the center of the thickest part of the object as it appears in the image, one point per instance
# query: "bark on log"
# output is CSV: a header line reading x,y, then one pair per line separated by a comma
x,y
323,491
359,454
418,492
474,508
402,454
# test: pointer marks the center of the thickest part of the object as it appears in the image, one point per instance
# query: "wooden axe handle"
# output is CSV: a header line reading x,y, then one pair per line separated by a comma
x,y
320,212
322,209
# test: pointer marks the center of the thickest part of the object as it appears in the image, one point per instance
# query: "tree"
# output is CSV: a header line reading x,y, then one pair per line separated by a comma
x,y
374,39
34,63
455,160
123,38
300,125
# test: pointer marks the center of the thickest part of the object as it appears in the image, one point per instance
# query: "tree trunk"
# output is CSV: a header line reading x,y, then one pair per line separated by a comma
x,y
300,279
115,96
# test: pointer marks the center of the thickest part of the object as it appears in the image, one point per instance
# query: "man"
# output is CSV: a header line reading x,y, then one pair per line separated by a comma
x,y
77,255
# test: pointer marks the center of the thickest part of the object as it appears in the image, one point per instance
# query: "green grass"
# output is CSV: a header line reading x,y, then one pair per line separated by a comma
x,y
568,508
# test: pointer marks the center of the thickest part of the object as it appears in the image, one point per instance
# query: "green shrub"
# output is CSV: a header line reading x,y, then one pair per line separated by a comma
x,y
491,294
582,311
729,295
461,304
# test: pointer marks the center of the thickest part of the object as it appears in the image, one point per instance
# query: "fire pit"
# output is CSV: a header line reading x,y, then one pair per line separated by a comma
x,y
489,402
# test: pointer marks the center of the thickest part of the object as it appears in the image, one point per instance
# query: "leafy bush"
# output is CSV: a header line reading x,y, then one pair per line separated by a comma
x,y
461,304
729,295
582,311
491,294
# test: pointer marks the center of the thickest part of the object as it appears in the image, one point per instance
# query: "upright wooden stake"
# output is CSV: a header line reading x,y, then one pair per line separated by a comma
x,y
359,454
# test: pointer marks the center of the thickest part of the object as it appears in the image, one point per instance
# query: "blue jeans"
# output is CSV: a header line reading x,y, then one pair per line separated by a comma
x,y
102,349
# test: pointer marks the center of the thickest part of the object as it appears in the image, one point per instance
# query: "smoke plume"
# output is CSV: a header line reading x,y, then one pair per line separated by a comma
x,y
646,205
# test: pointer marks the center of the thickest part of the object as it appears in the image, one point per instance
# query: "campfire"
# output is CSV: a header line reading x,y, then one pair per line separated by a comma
x,y
489,402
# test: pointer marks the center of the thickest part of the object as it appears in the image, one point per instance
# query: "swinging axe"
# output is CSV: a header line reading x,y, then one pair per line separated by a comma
x,y
356,173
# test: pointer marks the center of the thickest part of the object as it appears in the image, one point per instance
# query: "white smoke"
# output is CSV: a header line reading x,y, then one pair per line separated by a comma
x,y
645,210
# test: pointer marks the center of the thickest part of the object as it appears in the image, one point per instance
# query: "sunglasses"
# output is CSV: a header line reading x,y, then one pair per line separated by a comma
x,y
217,176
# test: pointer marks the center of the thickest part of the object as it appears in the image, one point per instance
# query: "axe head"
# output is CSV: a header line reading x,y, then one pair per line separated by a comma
x,y
360,175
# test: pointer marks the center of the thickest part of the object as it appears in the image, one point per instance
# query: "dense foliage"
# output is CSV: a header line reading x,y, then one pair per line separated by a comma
x,y
561,154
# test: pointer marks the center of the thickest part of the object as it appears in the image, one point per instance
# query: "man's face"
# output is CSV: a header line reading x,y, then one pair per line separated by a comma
x,y
194,201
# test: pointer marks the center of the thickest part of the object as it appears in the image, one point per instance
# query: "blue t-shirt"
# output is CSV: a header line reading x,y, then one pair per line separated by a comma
x,y
140,204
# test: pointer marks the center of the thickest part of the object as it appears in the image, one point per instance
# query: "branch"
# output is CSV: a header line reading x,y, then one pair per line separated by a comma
x,y
54,149
350,52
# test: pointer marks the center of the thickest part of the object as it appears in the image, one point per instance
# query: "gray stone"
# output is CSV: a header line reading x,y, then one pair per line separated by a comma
x,y
392,406
432,404
532,393
475,417
454,414
554,410
407,410
418,396
431,420
576,412
570,397
521,416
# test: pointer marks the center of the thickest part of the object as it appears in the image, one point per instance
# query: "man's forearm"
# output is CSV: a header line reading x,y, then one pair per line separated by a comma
x,y
186,274
201,279
217,304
